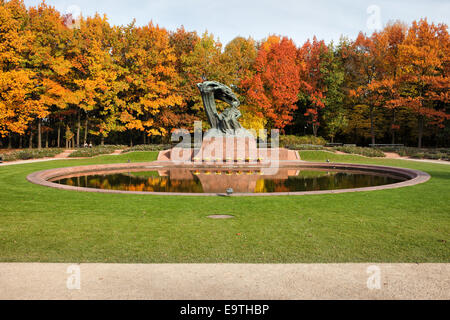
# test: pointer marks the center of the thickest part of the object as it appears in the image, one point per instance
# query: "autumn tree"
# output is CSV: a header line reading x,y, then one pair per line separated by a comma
x,y
238,59
96,77
423,74
49,63
148,64
366,66
17,105
389,41
203,63
274,87
321,77
61,77
183,43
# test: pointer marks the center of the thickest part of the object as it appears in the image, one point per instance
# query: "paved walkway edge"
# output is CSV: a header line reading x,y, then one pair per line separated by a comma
x,y
225,281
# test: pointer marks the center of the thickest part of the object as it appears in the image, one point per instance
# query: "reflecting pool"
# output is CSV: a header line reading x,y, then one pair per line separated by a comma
x,y
218,181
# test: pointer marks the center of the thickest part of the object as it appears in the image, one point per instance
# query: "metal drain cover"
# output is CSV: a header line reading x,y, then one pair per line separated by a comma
x,y
220,216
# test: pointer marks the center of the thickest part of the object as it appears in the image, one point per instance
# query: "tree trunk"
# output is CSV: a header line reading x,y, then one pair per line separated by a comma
x,y
46,139
145,138
20,142
73,143
436,141
102,141
67,138
372,128
9,141
78,128
39,134
30,145
86,129
315,129
59,135
421,120
393,129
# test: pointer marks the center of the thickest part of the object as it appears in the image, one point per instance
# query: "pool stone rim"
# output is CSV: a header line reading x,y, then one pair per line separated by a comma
x,y
414,176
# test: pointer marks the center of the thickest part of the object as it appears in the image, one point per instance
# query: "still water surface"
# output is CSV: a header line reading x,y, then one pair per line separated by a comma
x,y
245,181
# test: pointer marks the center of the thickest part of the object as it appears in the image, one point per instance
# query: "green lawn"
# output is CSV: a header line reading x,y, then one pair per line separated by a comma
x,y
409,224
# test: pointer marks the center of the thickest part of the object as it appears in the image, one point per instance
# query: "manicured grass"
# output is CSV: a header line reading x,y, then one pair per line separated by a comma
x,y
42,224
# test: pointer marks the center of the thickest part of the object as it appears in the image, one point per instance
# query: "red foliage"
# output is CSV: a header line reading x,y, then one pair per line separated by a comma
x,y
274,87
312,85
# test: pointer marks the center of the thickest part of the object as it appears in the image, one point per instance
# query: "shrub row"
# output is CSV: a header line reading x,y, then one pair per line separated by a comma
x,y
290,142
367,152
420,153
306,147
287,141
432,156
96,151
148,147
27,154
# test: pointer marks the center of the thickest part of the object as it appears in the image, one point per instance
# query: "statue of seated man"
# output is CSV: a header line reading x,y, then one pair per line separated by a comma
x,y
225,123
228,120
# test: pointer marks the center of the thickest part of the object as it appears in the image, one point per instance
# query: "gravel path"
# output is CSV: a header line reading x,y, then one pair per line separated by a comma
x,y
224,281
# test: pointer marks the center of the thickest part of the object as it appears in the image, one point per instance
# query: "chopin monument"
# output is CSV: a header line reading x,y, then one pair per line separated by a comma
x,y
227,140
225,123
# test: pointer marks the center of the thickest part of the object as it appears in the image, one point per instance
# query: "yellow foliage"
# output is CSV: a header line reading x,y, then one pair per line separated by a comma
x,y
251,120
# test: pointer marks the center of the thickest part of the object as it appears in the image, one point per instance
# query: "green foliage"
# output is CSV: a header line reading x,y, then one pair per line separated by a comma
x,y
367,152
96,151
30,154
148,147
420,153
290,141
306,147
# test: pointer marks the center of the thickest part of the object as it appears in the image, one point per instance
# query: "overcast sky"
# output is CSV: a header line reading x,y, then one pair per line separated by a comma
x,y
297,19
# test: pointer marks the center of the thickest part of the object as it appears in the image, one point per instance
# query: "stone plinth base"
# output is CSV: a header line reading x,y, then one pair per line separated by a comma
x,y
228,149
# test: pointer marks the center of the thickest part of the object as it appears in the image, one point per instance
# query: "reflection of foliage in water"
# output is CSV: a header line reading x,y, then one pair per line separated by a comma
x,y
135,183
314,174
320,180
306,180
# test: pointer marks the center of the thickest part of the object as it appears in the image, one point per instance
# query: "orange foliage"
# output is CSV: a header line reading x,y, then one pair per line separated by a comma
x,y
274,87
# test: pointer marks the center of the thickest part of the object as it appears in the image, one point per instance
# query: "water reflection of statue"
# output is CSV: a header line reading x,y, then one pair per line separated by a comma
x,y
225,123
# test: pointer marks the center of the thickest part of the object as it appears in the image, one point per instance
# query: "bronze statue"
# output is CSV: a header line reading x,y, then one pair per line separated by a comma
x,y
225,123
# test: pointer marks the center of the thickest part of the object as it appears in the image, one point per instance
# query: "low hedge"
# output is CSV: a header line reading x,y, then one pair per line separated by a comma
x,y
420,153
287,141
306,147
367,152
148,147
27,154
96,151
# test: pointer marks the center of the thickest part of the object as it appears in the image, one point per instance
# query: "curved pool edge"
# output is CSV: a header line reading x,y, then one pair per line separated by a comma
x,y
42,178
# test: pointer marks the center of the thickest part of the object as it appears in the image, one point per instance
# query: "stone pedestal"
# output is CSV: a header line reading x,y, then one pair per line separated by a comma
x,y
228,149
